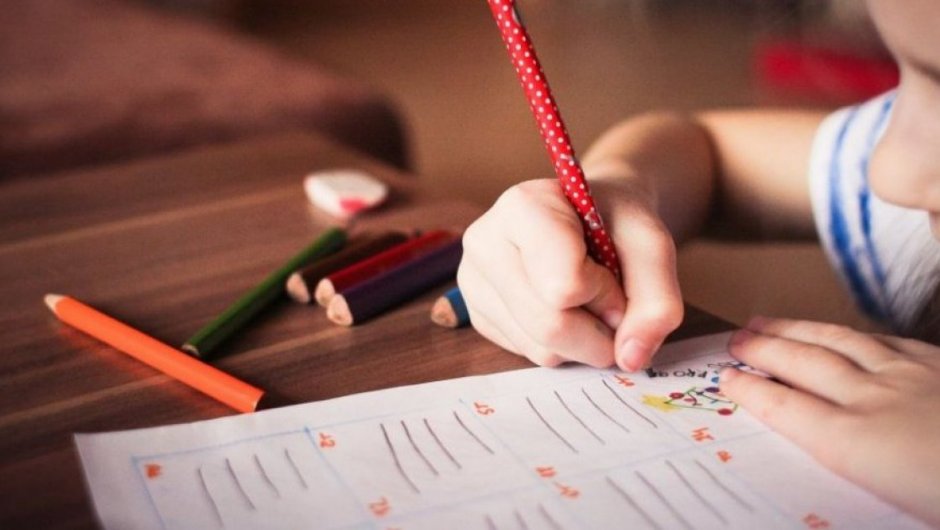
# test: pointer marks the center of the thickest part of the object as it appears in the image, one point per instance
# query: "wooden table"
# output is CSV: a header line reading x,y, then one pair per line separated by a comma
x,y
164,245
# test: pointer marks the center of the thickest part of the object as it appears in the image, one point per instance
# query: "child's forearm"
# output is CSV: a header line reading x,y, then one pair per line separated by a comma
x,y
746,168
669,153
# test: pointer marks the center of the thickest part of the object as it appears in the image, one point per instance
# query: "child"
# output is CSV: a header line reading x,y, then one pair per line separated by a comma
x,y
864,405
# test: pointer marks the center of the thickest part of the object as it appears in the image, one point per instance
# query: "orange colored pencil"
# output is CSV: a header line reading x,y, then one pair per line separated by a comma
x,y
184,368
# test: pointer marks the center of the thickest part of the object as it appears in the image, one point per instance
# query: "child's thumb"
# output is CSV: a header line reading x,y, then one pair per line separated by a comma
x,y
654,305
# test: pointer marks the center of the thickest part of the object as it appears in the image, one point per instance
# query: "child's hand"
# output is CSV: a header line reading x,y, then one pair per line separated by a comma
x,y
531,287
866,406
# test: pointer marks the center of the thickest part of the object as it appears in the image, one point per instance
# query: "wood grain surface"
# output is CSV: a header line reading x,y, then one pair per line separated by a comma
x,y
165,245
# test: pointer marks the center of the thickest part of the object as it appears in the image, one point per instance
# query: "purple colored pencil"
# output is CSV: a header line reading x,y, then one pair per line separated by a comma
x,y
396,286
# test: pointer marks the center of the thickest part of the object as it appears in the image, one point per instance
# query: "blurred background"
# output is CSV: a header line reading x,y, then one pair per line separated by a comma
x,y
473,133
468,130
443,62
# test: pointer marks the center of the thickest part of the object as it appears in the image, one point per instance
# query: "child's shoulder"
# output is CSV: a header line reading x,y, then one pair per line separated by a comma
x,y
885,254
854,130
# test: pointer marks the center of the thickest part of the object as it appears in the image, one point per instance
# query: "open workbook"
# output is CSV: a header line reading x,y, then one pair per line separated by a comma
x,y
565,448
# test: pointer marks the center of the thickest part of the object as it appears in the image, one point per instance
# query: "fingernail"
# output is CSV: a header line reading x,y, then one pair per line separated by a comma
x,y
740,337
613,318
632,354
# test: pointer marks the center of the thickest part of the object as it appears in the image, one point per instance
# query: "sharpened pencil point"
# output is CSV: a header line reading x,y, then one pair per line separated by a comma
x,y
338,311
297,288
442,313
324,292
52,300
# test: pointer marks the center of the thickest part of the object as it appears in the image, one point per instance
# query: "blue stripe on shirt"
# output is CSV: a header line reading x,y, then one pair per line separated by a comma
x,y
864,197
839,229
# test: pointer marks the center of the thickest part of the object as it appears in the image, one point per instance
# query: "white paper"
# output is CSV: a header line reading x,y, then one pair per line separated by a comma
x,y
565,448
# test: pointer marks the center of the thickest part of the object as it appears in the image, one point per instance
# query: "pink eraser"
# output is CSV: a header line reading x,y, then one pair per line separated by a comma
x,y
344,193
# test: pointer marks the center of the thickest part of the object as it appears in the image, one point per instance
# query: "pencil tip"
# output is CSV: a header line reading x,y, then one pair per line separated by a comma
x,y
338,311
190,349
324,292
442,313
52,300
297,288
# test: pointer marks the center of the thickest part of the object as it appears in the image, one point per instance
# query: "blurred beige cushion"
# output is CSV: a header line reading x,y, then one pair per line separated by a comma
x,y
92,81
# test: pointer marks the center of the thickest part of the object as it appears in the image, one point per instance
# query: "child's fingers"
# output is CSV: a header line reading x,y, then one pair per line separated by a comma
x,y
547,232
804,419
572,333
867,351
908,346
485,311
808,367
485,327
492,319
654,302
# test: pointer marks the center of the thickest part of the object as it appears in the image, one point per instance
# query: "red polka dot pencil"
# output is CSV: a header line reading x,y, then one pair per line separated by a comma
x,y
544,108
377,264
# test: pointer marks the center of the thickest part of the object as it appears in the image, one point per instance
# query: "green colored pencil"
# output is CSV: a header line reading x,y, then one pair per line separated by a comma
x,y
254,301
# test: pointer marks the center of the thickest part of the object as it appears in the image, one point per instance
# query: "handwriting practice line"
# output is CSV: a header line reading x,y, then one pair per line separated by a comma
x,y
238,484
604,412
264,475
633,504
663,499
205,488
401,470
293,465
695,492
440,444
578,419
620,398
549,426
417,449
472,434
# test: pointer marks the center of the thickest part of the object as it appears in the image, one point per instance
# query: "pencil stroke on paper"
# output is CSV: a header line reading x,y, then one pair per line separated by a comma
x,y
397,461
548,517
209,497
663,499
629,406
490,525
440,444
472,434
265,477
698,495
417,449
578,419
725,488
549,426
633,504
604,412
238,484
293,465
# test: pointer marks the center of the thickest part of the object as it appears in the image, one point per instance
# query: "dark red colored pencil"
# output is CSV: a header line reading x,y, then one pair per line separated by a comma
x,y
371,267
396,286
301,284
